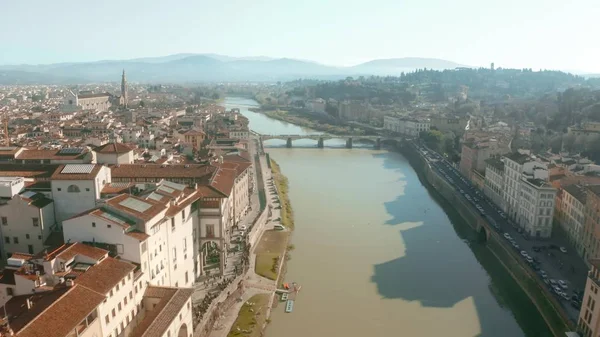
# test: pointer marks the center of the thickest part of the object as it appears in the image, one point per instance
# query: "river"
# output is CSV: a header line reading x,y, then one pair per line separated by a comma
x,y
378,255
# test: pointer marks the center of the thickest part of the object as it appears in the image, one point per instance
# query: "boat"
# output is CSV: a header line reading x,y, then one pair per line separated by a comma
x,y
289,306
284,296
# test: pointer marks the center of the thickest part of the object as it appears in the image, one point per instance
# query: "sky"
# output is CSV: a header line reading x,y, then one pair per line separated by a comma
x,y
538,34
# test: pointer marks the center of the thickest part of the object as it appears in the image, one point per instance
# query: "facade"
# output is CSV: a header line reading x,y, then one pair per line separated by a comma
x,y
591,229
475,153
589,316
406,126
528,197
352,111
572,214
26,221
494,181
76,188
88,101
456,124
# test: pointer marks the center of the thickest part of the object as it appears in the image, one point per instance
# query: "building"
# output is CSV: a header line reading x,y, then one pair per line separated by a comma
x,y
494,181
316,105
528,196
584,129
124,97
76,188
572,214
406,126
81,291
352,111
474,154
191,136
456,124
26,221
113,154
589,316
591,229
88,100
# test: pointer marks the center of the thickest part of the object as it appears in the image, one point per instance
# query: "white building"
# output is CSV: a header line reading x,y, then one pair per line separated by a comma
x,y
81,291
494,181
76,188
113,154
406,126
155,232
26,221
528,197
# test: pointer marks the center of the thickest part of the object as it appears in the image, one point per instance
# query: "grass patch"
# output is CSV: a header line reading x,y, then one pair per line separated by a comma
x,y
269,252
251,318
547,308
281,181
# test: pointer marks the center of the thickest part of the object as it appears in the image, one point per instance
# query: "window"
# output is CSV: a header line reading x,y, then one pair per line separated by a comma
x,y
184,245
35,221
39,237
59,189
93,224
7,239
87,189
30,249
16,239
125,300
106,319
114,313
172,224
183,215
120,306
108,226
117,287
130,295
73,189
4,221
186,277
26,236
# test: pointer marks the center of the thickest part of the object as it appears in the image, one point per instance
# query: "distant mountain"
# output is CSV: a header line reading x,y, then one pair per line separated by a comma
x,y
397,65
180,68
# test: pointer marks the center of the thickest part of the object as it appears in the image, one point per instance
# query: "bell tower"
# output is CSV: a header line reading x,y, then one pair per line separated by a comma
x,y
124,89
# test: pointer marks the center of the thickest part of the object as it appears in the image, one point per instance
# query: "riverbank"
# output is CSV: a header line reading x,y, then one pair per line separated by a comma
x,y
307,122
551,312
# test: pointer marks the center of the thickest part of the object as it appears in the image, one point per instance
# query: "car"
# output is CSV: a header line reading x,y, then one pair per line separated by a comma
x,y
575,305
529,259
563,249
546,281
543,274
279,227
564,296
524,253
553,282
563,284
461,191
516,245
242,227
507,236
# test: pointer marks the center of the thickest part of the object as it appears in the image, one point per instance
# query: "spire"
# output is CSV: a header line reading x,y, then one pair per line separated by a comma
x,y
124,89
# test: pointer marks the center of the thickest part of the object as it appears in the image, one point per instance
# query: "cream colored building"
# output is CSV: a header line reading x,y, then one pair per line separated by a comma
x,y
572,216
494,181
589,316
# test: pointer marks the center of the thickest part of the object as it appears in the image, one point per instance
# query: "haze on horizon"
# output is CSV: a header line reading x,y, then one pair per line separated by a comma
x,y
538,34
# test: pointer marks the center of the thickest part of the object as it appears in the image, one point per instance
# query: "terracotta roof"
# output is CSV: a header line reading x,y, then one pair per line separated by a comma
x,y
62,316
239,167
16,307
102,277
49,154
70,250
113,148
210,192
149,213
223,180
36,171
156,171
173,210
58,175
22,256
141,236
117,188
157,321
103,94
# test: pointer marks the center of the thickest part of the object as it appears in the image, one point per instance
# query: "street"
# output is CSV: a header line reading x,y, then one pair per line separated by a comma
x,y
546,259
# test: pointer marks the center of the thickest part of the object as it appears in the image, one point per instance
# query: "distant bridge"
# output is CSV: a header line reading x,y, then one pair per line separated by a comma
x,y
321,138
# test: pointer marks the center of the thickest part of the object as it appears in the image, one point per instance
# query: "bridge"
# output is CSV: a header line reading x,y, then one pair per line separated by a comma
x,y
321,138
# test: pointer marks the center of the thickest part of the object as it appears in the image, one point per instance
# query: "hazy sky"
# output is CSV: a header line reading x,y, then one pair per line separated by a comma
x,y
551,34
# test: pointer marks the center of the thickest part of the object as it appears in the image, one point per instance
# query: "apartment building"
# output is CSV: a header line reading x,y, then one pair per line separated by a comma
x,y
572,214
406,126
528,197
494,181
591,229
474,153
79,290
589,316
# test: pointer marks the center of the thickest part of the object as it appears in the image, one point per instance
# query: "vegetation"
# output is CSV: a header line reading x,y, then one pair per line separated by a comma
x,y
281,182
251,318
269,252
310,123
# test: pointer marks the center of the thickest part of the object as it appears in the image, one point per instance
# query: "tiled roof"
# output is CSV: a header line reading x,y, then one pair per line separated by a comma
x,y
103,94
113,148
518,158
70,250
35,171
223,180
49,154
156,171
63,315
577,191
158,320
105,275
141,236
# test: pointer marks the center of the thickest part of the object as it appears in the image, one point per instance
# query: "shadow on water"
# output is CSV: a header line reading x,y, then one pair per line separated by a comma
x,y
438,270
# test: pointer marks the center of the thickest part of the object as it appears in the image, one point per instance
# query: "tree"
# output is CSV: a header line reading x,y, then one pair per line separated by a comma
x,y
142,104
569,142
432,139
216,95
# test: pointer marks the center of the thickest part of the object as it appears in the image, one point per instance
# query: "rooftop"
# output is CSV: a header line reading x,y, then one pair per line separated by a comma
x,y
104,276
577,191
496,163
113,148
159,318
517,157
76,172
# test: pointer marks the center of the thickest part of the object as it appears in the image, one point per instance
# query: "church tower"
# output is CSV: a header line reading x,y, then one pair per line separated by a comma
x,y
124,89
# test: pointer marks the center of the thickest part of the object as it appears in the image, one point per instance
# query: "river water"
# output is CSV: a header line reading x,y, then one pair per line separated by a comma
x,y
378,255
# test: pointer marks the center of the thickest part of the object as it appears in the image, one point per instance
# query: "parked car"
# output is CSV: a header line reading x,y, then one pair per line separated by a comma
x,y
563,249
529,259
279,227
242,227
507,236
563,284
524,253
543,274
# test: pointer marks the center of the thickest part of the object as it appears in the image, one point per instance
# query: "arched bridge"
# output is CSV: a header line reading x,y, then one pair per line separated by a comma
x,y
321,138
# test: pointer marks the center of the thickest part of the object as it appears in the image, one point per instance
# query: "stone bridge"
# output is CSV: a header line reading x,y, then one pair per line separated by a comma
x,y
321,138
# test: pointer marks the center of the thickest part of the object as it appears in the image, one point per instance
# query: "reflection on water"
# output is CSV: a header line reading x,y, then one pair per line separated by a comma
x,y
376,255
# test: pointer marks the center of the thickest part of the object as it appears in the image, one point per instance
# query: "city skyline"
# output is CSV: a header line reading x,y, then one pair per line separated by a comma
x,y
539,35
